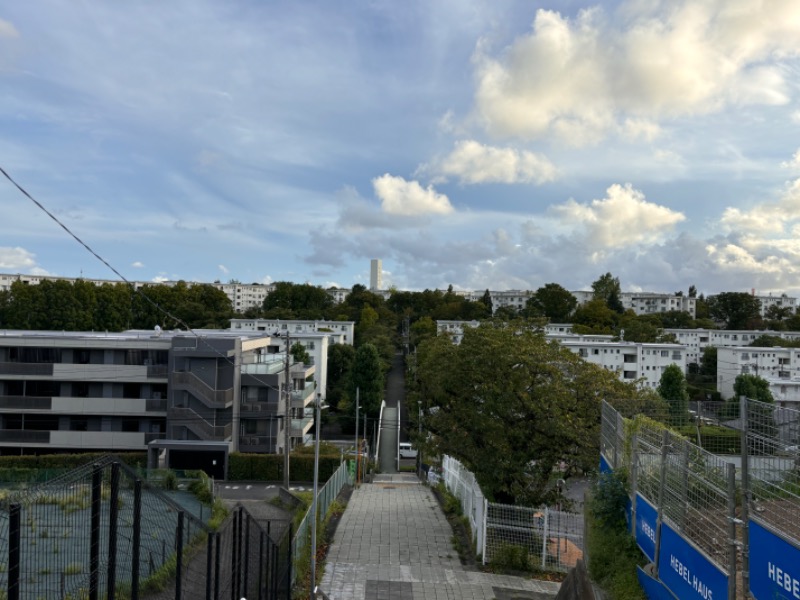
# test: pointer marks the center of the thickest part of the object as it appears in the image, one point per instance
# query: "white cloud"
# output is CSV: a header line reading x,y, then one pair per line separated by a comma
x,y
765,218
620,219
794,163
409,198
16,259
223,268
576,77
161,278
137,265
473,162
7,30
640,129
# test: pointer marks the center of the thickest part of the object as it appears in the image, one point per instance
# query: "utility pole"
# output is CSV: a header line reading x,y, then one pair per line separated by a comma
x,y
355,443
287,421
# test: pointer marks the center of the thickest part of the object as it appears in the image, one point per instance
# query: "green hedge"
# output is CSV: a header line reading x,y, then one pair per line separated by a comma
x,y
714,439
269,467
68,461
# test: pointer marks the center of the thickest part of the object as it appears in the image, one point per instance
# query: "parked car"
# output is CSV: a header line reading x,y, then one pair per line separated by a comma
x,y
406,451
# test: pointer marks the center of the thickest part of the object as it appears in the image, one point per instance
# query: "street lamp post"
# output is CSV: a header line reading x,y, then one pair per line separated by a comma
x,y
314,499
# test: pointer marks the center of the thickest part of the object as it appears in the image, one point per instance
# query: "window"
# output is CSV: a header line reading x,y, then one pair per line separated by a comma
x,y
665,353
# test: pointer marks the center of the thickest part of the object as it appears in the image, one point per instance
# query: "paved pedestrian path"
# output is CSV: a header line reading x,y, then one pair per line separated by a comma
x,y
393,543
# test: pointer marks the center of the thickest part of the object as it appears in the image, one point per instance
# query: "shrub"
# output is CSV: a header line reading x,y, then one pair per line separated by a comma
x,y
511,557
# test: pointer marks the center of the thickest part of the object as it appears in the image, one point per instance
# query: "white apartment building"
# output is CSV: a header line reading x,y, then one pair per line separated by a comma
x,y
631,361
697,340
340,332
779,366
647,303
338,294
243,295
782,301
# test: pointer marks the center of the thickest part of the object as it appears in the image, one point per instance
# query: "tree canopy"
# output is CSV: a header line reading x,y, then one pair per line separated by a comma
x,y
674,390
512,407
738,310
552,301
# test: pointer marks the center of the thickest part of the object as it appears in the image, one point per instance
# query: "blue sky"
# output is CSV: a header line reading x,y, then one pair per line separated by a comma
x,y
498,145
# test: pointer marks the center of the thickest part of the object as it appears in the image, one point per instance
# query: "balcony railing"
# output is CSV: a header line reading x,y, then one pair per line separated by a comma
x,y
155,405
301,426
24,436
26,402
15,368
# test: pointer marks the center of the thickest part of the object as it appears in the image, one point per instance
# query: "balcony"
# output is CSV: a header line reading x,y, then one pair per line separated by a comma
x,y
301,398
22,403
301,426
15,368
24,436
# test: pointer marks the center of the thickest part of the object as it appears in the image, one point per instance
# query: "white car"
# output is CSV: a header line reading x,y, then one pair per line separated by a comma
x,y
406,451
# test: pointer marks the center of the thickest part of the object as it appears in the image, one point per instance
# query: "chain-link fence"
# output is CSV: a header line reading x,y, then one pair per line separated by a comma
x,y
325,498
515,535
99,531
716,501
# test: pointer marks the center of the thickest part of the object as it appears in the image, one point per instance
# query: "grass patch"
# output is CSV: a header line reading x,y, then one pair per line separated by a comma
x,y
613,554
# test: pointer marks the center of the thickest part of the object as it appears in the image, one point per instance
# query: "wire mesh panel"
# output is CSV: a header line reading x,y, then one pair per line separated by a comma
x,y
462,484
609,421
530,537
773,456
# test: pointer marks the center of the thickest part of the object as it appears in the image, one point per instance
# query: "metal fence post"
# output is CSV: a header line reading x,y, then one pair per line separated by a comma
x,y
685,486
234,550
13,550
113,517
661,485
732,531
137,538
261,565
545,524
216,565
634,475
289,558
94,543
746,495
209,563
485,519
246,556
179,556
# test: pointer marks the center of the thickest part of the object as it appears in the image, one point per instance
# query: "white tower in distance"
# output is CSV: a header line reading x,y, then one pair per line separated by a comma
x,y
375,274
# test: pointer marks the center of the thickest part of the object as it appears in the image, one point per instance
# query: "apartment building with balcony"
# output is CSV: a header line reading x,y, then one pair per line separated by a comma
x,y
647,303
63,391
631,361
341,332
697,340
780,367
82,391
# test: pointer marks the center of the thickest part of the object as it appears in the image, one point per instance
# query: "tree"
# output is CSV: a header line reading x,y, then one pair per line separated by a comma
x,y
487,302
422,330
738,310
753,387
692,291
367,376
554,302
673,388
595,317
708,363
512,407
605,287
340,364
300,354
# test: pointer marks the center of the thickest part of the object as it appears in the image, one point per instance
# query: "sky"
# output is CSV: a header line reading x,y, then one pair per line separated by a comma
x,y
500,145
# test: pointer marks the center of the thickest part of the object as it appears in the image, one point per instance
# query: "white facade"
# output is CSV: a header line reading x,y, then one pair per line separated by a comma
x,y
244,296
697,340
340,332
782,301
647,303
375,274
779,366
631,361
338,294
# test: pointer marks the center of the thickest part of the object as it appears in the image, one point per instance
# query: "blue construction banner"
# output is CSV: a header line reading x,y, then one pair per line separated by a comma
x,y
653,588
774,566
646,516
605,467
686,571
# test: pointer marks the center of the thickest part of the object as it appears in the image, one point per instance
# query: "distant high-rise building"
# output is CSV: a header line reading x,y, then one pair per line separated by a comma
x,y
375,274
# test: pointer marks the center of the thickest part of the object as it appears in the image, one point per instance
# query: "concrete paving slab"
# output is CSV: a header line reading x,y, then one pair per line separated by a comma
x,y
394,542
